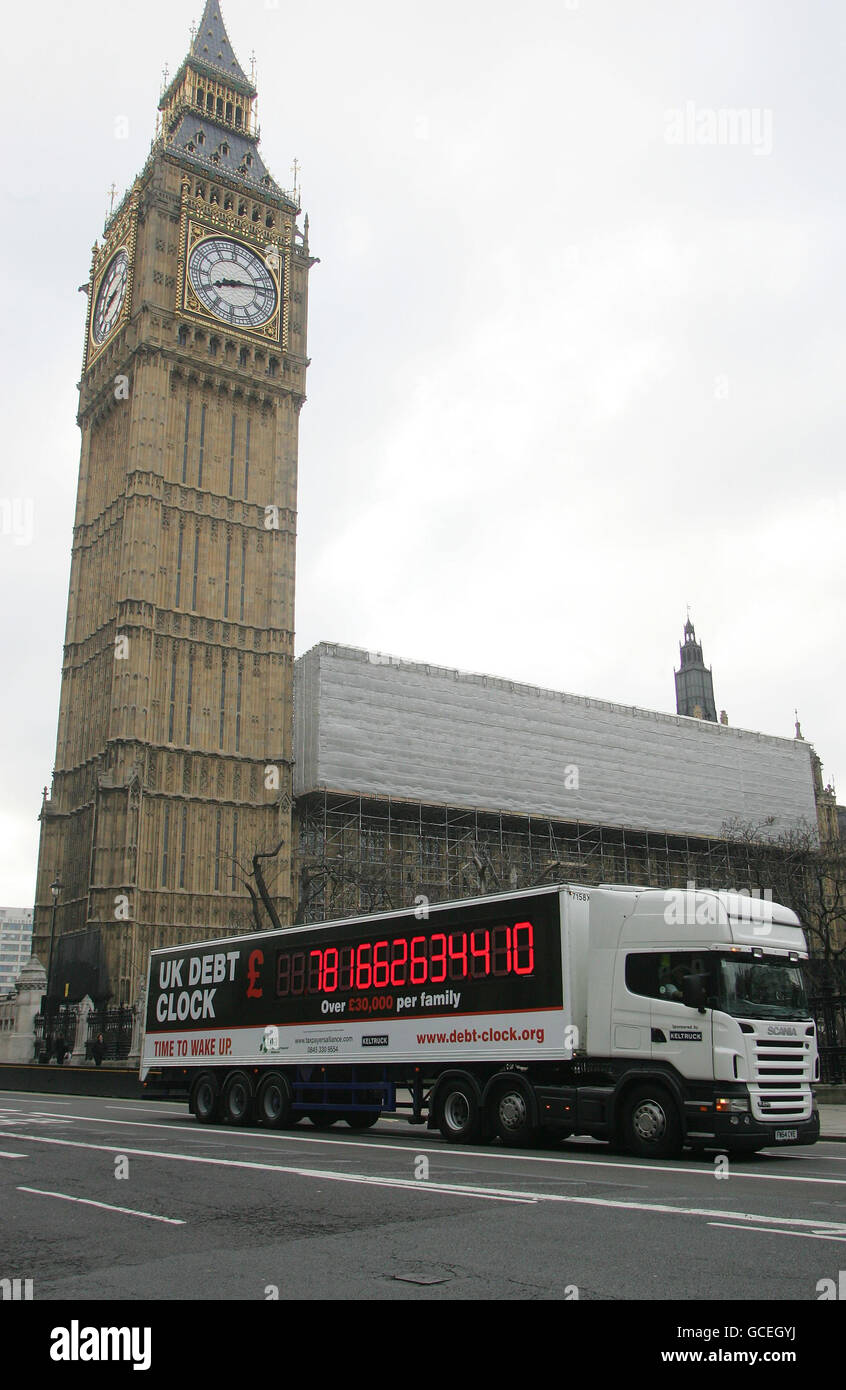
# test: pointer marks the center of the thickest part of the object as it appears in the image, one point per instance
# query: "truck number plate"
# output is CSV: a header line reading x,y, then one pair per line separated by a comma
x,y
783,1135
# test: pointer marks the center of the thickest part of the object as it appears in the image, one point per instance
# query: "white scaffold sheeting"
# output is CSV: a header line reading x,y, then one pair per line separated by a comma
x,y
378,726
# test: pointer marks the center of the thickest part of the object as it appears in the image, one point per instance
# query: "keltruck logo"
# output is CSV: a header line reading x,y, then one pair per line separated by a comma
x,y
77,1343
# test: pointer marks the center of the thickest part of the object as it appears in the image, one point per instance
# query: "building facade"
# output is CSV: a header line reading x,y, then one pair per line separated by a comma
x,y
15,943
173,755
413,779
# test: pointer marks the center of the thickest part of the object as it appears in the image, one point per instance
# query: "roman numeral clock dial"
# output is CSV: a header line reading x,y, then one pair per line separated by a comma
x,y
110,297
232,283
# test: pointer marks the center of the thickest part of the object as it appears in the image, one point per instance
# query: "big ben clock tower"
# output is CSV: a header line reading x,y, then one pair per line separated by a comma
x,y
173,759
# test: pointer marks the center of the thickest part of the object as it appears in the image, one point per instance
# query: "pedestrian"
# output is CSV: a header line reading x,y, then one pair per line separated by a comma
x,y
98,1047
61,1049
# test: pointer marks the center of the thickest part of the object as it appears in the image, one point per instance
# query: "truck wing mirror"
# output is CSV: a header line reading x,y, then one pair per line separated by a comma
x,y
694,992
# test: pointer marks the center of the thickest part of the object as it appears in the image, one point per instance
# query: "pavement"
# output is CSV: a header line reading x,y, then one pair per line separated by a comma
x,y
833,1122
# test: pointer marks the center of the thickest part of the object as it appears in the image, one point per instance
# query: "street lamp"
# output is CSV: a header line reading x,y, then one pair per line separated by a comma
x,y
55,888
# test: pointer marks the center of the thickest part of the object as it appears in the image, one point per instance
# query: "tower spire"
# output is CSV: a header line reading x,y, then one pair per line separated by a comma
x,y
694,681
211,44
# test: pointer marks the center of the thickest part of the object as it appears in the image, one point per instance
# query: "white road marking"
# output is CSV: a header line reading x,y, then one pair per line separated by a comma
x,y
104,1206
499,1194
496,1155
5,1155
770,1231
9,1119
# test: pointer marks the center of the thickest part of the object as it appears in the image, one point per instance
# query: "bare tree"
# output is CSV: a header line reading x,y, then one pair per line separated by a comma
x,y
795,869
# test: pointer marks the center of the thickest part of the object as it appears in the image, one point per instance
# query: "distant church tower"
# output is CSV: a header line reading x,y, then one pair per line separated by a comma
x,y
694,681
173,758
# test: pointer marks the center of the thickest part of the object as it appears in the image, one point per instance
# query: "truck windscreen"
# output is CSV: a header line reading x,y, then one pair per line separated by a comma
x,y
755,988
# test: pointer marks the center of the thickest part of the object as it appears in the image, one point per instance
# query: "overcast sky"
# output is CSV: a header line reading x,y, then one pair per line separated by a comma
x,y
576,338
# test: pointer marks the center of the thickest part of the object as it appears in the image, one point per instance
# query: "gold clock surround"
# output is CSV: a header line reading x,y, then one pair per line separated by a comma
x,y
199,222
121,236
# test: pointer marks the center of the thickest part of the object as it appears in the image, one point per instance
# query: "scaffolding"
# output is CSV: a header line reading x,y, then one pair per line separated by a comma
x,y
361,853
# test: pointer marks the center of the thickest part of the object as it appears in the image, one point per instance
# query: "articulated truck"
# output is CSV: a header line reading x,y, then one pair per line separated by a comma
x,y
650,1018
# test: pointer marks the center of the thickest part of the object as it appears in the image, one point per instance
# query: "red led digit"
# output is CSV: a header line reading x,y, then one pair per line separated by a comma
x,y
315,972
330,970
418,960
347,971
381,965
501,951
458,955
480,953
399,960
437,959
283,974
364,968
297,972
524,951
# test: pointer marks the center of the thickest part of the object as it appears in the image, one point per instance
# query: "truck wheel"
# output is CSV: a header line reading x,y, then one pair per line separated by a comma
x,y
237,1099
460,1114
651,1124
205,1098
274,1101
512,1117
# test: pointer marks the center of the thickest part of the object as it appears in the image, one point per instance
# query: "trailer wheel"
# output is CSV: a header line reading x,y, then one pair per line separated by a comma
x,y
237,1099
323,1119
460,1115
205,1098
274,1102
512,1117
362,1119
651,1124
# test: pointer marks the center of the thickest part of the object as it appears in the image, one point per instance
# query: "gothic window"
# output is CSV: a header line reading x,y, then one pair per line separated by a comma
x,y
239,117
227,202
229,112
269,220
220,106
242,357
200,97
242,208
210,101
214,347
190,147
200,468
183,336
232,459
234,851
201,138
273,366
256,214
201,190
165,834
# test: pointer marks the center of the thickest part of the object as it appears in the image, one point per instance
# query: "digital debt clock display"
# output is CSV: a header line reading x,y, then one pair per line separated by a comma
x,y
488,959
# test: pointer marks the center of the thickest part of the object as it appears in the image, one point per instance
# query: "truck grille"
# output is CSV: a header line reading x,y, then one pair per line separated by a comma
x,y
780,1079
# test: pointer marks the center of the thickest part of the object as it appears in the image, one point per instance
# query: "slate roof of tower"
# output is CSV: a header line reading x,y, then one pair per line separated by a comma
x,y
239,146
211,44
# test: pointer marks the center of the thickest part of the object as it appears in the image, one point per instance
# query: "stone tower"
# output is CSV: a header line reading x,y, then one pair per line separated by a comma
x,y
173,757
694,681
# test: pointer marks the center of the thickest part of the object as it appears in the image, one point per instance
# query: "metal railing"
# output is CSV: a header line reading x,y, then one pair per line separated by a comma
x,y
829,1010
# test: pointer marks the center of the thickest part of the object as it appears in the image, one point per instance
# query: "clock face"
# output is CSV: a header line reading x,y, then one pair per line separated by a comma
x,y
232,282
110,297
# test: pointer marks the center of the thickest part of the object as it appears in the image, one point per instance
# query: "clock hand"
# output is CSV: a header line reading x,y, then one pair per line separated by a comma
x,y
232,284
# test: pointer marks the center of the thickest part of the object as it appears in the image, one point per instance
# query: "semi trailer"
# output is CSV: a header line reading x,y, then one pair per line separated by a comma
x,y
650,1018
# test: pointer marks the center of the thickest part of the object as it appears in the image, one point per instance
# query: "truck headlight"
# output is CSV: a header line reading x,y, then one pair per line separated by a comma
x,y
734,1105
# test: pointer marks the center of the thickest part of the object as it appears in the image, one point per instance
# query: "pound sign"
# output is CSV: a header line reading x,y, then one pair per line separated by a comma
x,y
253,966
